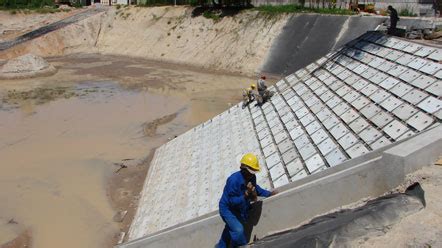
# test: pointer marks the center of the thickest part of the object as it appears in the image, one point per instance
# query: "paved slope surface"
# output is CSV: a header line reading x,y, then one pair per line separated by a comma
x,y
374,91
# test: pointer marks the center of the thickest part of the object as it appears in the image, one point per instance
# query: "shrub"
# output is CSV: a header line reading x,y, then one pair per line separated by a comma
x,y
210,15
370,8
406,12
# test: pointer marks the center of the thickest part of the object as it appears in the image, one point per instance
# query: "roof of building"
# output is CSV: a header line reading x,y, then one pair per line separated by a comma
x,y
372,92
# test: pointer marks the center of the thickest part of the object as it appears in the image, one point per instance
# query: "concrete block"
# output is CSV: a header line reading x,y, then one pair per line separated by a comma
x,y
418,151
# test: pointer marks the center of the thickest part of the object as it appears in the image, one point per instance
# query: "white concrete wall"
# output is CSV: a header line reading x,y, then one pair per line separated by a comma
x,y
124,2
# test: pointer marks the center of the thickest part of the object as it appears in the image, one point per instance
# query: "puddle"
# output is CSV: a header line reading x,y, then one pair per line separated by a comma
x,y
61,139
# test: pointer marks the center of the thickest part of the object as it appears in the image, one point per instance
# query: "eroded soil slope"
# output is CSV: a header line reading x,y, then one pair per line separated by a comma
x,y
238,44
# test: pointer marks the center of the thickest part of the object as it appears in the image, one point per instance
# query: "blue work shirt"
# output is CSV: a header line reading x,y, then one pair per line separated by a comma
x,y
233,200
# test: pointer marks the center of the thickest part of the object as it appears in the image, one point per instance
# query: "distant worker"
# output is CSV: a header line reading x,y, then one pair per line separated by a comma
x,y
394,18
263,92
262,87
240,190
436,8
248,95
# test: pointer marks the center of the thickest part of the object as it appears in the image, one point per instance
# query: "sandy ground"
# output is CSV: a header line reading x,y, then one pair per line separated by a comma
x,y
23,240
422,229
77,127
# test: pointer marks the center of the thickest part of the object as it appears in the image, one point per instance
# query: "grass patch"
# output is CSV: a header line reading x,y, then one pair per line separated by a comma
x,y
47,10
39,6
406,12
209,14
293,8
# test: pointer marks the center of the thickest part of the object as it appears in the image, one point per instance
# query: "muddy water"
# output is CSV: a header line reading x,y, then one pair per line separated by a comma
x,y
62,136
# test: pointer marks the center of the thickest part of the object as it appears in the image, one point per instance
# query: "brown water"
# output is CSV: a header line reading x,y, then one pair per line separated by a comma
x,y
60,137
55,161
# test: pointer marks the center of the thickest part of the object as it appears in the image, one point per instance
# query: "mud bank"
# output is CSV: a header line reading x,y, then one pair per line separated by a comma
x,y
23,240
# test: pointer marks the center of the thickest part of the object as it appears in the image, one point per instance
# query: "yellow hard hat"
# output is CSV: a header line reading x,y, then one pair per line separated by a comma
x,y
252,86
251,161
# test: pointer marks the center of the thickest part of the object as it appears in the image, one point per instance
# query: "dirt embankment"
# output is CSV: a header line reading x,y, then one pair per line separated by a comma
x,y
170,34
23,240
13,25
75,38
237,44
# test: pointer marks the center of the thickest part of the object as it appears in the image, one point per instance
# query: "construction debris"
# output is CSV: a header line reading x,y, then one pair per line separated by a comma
x,y
122,166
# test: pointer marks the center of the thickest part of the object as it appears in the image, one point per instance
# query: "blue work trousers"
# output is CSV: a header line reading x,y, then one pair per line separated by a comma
x,y
233,231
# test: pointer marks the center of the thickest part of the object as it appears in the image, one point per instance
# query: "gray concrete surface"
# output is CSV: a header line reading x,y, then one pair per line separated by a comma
x,y
307,37
300,203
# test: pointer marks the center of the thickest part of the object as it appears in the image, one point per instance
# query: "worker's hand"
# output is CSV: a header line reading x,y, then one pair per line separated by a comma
x,y
250,188
274,192
254,195
251,192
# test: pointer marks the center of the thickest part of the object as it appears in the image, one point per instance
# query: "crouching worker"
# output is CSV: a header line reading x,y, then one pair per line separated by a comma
x,y
248,95
240,190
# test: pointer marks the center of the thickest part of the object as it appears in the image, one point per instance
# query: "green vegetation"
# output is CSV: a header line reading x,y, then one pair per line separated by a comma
x,y
406,12
150,3
212,15
76,4
292,8
28,6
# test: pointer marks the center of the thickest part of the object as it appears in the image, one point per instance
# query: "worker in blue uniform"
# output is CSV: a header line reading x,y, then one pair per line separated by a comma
x,y
240,190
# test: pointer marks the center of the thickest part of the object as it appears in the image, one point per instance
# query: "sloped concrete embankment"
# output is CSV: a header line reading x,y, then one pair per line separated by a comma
x,y
306,38
370,175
